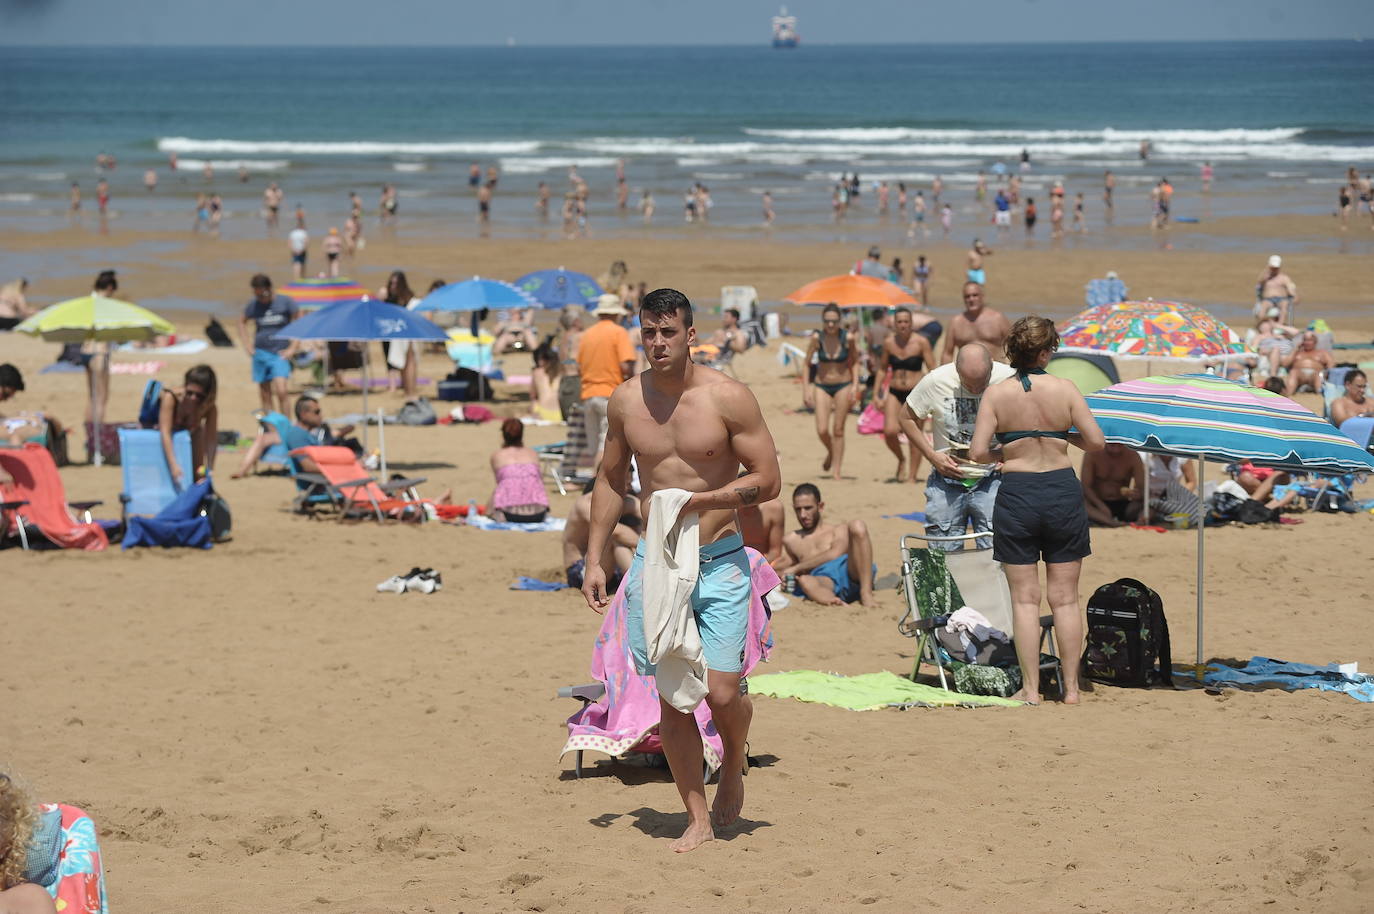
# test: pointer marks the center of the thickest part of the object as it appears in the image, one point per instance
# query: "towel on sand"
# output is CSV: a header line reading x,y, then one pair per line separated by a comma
x,y
527,583
1263,672
625,719
482,522
867,691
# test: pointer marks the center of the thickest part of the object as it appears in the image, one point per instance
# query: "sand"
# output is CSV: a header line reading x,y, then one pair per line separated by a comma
x,y
254,728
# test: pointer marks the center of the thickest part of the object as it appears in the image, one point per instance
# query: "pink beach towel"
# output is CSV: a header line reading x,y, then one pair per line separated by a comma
x,y
626,718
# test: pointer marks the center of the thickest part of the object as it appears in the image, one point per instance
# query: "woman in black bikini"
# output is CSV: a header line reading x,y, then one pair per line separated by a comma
x,y
191,409
1039,511
832,391
906,353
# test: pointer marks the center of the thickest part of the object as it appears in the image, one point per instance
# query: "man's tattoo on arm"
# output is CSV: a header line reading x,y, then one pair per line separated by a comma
x,y
747,494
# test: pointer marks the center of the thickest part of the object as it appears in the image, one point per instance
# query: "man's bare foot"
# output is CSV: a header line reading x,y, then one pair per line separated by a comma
x,y
868,601
832,600
828,459
1070,698
836,475
1025,696
729,798
697,834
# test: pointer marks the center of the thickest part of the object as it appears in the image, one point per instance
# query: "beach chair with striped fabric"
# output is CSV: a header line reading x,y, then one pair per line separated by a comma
x,y
353,490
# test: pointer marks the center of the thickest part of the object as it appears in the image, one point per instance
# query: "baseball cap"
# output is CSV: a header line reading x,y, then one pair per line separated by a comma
x,y
1275,261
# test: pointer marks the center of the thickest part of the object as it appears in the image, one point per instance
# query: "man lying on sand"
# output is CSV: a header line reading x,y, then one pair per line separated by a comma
x,y
689,428
833,563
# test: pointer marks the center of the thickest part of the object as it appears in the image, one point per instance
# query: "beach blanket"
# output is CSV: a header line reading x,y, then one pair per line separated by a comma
x,y
481,522
625,719
867,691
917,516
528,583
135,368
1266,673
79,887
185,347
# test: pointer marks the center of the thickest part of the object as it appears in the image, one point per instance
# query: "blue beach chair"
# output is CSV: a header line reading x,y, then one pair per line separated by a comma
x,y
148,485
182,522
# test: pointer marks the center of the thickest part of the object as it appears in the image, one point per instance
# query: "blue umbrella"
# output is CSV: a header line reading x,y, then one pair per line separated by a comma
x,y
475,294
1211,418
556,288
363,321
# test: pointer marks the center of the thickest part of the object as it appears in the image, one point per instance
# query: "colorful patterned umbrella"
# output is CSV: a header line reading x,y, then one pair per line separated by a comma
x,y
1211,418
316,293
852,290
560,287
1150,329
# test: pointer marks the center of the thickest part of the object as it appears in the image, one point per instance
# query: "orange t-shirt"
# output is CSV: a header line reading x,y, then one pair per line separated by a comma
x,y
601,352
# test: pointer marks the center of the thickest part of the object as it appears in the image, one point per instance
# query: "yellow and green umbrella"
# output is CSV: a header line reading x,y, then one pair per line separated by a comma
x,y
96,318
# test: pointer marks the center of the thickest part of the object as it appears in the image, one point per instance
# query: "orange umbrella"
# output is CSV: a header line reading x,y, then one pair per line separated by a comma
x,y
852,291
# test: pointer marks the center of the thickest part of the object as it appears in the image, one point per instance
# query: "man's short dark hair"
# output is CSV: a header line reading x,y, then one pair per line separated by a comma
x,y
302,403
106,281
260,281
11,378
902,310
1274,385
734,312
807,488
663,302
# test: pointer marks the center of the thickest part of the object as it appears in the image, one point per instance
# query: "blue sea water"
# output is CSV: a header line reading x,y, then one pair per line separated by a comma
x,y
1286,118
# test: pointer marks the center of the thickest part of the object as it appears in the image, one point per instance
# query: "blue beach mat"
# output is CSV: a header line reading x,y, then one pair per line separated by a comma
x,y
527,583
1263,672
918,516
482,522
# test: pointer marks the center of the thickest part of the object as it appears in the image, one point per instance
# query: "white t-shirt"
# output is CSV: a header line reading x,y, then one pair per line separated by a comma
x,y
952,406
299,240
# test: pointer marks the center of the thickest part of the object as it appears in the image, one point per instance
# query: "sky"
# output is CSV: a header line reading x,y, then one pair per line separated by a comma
x,y
633,22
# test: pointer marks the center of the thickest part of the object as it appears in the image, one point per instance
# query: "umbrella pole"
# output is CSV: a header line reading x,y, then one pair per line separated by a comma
x,y
367,360
381,442
1201,540
97,410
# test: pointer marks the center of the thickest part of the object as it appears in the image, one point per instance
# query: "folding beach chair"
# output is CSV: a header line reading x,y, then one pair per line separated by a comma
x,y
551,462
275,454
148,483
352,490
935,585
182,523
36,500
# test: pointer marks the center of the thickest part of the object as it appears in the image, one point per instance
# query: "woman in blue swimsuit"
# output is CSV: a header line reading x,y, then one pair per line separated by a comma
x,y
1039,513
831,392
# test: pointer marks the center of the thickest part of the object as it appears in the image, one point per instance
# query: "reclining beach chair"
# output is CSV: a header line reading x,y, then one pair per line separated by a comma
x,y
275,454
935,585
148,484
35,500
352,489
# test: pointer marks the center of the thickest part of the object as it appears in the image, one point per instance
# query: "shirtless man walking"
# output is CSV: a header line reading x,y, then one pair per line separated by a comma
x,y
689,428
974,261
1276,293
978,324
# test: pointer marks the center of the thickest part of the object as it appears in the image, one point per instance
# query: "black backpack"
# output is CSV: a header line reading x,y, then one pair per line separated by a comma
x,y
1127,633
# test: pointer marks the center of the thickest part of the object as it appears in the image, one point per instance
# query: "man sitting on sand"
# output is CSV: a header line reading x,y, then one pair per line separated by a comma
x,y
762,528
620,546
515,334
833,563
1276,293
1354,403
1113,485
978,324
1307,365
730,336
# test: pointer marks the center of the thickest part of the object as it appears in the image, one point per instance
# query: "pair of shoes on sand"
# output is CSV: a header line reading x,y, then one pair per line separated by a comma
x,y
421,580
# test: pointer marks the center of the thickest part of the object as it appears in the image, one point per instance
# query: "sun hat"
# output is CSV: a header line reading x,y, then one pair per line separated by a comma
x,y
611,304
1275,261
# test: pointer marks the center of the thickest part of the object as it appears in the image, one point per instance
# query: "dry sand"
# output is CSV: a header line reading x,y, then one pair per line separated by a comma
x,y
255,729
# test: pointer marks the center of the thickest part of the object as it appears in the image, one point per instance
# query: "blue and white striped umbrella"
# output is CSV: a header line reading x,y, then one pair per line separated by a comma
x,y
1210,418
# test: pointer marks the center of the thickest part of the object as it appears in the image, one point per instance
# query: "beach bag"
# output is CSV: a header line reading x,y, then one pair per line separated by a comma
x,y
417,412
871,421
217,335
151,407
1127,634
216,510
1254,512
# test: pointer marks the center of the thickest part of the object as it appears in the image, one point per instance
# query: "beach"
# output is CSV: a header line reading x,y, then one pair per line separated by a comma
x,y
255,728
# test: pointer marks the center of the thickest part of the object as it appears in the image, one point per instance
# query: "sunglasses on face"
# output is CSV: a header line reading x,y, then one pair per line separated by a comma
x,y
195,394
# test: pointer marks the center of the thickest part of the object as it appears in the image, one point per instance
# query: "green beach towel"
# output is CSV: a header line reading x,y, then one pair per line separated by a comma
x,y
867,691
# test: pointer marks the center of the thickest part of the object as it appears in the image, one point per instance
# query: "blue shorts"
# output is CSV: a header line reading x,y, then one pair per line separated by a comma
x,y
268,366
720,603
978,276
837,572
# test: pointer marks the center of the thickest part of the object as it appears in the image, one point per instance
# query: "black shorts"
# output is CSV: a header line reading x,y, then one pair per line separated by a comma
x,y
1117,507
1040,515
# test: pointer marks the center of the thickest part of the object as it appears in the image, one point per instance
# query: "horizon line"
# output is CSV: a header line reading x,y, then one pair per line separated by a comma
x,y
513,43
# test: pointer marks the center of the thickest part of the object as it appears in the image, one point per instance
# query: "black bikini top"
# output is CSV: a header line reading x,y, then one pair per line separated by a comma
x,y
913,363
841,356
1009,437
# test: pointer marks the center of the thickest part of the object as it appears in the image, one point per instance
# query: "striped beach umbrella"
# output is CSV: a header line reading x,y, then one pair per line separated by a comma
x,y
1210,418
1149,329
852,290
316,293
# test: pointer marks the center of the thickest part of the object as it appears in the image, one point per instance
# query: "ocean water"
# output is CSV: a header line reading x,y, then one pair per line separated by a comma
x,y
1279,121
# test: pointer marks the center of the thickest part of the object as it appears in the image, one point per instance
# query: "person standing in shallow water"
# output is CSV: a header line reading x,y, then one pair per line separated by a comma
x,y
689,427
1040,512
